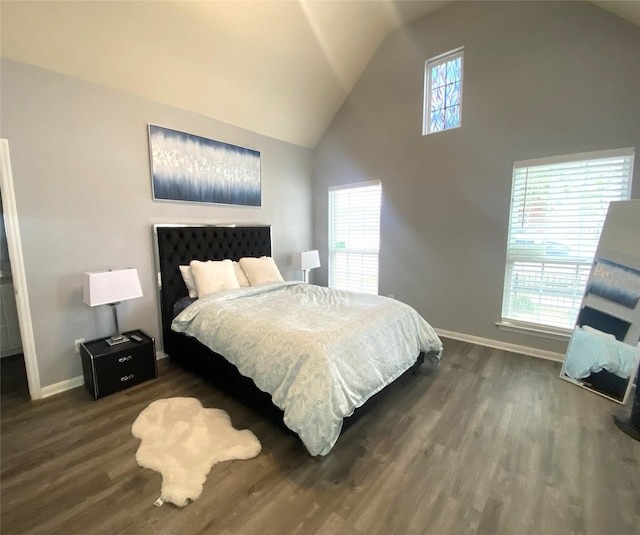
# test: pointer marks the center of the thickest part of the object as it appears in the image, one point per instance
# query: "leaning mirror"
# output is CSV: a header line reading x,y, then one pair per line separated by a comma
x,y
603,352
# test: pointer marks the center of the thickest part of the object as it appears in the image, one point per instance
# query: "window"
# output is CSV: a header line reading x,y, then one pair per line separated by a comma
x,y
443,92
354,237
558,207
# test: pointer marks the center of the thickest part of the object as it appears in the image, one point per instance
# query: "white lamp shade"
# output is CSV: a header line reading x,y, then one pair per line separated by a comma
x,y
306,260
106,287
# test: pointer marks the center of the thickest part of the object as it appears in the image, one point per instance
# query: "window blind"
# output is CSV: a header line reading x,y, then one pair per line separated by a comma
x,y
558,207
354,237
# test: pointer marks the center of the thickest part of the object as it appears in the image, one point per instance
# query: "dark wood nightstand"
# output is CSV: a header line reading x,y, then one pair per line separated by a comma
x,y
109,369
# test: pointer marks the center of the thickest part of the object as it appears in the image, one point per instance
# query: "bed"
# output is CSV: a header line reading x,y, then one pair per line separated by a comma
x,y
598,360
240,372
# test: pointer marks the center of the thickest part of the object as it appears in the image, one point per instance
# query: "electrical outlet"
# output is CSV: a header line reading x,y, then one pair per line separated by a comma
x,y
77,343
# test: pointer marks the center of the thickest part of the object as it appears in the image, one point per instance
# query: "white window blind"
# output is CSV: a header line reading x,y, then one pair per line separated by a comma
x,y
558,207
354,237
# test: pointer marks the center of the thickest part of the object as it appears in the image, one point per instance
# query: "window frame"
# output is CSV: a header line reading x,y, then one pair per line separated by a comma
x,y
427,122
361,250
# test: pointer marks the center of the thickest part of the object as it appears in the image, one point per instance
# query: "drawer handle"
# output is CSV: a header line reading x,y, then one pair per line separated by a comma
x,y
125,359
127,377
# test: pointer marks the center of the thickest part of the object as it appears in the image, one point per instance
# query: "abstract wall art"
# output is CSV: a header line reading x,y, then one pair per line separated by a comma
x,y
615,282
186,167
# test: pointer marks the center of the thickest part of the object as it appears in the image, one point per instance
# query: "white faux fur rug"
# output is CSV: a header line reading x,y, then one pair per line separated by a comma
x,y
182,440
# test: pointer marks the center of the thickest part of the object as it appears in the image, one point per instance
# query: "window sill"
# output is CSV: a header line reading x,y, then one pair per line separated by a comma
x,y
554,333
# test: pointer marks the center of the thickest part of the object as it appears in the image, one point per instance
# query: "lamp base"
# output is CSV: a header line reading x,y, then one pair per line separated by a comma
x,y
625,424
629,421
115,340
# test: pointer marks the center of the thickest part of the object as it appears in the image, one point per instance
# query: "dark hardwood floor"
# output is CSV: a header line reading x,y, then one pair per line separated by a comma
x,y
490,443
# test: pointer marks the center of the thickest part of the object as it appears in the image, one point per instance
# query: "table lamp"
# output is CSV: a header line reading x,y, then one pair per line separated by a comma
x,y
110,288
305,261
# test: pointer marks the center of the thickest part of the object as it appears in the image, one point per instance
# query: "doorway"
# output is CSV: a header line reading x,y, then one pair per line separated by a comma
x,y
20,341
12,369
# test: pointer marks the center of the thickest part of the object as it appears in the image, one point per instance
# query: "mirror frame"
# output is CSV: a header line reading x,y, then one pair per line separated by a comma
x,y
619,248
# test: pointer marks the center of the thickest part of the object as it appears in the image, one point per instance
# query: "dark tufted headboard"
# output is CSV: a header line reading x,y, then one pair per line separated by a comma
x,y
178,245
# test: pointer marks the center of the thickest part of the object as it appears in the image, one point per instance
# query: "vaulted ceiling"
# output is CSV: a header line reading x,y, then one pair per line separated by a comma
x,y
279,68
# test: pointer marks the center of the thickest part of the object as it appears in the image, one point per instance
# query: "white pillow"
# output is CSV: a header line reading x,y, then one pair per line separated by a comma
x,y
241,275
213,276
261,270
187,277
592,330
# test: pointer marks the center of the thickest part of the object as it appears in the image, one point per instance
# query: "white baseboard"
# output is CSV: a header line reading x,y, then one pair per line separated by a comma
x,y
62,386
497,344
75,382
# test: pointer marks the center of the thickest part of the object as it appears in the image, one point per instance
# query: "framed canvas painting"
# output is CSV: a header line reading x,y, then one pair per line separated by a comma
x,y
190,168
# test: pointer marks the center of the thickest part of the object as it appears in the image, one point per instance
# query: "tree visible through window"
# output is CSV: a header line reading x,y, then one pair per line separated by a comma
x,y
558,207
443,92
354,237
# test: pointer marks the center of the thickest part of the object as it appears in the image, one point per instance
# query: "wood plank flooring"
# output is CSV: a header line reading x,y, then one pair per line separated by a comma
x,y
490,443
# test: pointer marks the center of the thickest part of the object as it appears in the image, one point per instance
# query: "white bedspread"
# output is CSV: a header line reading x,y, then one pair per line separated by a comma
x,y
320,353
590,352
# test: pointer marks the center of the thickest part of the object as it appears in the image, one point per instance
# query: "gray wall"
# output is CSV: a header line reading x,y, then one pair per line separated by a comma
x,y
80,162
540,79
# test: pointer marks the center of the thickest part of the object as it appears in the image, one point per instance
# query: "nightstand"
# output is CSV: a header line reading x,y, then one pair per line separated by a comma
x,y
109,369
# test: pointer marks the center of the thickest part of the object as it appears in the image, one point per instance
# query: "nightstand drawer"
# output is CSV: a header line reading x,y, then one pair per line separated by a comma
x,y
109,369
119,371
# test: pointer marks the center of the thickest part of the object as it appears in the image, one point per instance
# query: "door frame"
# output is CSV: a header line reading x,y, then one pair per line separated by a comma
x,y
18,273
